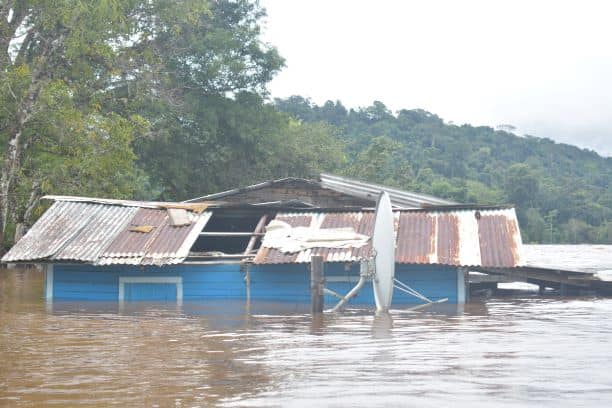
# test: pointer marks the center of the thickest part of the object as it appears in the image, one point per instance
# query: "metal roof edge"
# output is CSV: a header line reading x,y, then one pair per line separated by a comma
x,y
396,193
156,205
251,187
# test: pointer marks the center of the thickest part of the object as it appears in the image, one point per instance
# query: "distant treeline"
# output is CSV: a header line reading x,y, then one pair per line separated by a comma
x,y
143,99
563,194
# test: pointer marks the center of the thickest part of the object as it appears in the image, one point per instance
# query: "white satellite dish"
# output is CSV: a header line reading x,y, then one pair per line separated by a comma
x,y
383,243
383,275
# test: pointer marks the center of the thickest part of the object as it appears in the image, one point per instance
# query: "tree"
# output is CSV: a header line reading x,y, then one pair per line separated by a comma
x,y
380,162
123,63
521,184
479,164
55,56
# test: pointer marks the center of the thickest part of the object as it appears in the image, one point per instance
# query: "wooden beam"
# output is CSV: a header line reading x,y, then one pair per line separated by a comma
x,y
556,276
473,278
258,230
317,284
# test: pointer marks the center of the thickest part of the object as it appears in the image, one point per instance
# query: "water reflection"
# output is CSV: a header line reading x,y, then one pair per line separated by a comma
x,y
511,352
382,324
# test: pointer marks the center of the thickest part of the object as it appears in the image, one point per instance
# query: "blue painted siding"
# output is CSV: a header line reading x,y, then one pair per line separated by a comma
x,y
279,283
150,291
433,281
86,282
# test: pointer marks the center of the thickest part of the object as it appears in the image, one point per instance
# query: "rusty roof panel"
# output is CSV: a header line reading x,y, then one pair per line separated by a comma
x,y
70,230
100,233
448,239
500,239
416,241
173,243
165,244
360,221
101,229
131,243
274,256
467,237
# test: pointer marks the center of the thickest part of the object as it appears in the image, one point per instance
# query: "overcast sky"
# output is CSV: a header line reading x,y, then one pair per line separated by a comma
x,y
542,66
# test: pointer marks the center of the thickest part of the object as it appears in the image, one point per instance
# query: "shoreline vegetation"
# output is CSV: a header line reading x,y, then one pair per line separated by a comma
x,y
145,100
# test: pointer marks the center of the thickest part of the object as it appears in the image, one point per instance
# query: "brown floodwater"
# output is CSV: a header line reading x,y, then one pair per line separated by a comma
x,y
499,352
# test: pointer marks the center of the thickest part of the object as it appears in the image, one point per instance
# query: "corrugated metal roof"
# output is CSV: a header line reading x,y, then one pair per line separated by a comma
x,y
196,207
103,225
571,258
487,238
165,244
99,233
362,189
67,230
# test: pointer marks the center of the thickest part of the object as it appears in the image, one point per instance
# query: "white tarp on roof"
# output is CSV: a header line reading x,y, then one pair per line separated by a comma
x,y
288,239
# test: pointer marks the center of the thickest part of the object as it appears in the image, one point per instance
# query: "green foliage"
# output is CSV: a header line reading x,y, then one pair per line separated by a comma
x,y
83,84
381,162
220,143
563,194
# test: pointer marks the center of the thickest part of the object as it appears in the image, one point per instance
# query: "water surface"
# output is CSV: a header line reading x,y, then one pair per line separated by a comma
x,y
502,352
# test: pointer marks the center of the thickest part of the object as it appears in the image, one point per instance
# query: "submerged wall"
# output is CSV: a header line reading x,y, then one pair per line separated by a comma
x,y
290,283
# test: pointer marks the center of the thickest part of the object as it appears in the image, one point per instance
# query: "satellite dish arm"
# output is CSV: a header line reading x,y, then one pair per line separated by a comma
x,y
352,292
366,272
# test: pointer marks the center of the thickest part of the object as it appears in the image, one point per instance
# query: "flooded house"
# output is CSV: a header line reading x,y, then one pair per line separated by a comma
x,y
245,244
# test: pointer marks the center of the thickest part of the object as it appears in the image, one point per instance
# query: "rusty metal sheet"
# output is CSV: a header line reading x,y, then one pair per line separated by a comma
x,y
130,243
274,256
448,240
101,229
99,233
165,244
500,239
467,237
70,230
416,238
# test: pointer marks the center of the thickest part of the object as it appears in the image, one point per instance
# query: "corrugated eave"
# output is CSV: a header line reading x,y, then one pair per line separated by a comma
x,y
99,233
466,238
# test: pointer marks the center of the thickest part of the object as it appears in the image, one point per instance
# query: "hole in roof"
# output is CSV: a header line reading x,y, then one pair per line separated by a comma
x,y
227,223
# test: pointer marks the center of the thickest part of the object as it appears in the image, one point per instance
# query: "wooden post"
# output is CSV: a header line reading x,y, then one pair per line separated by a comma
x,y
317,283
258,230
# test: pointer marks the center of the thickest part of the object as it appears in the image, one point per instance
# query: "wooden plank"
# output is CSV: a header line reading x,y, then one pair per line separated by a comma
x,y
316,284
258,230
178,217
543,276
474,278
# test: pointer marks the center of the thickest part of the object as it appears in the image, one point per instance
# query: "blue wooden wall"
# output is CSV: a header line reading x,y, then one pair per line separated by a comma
x,y
290,283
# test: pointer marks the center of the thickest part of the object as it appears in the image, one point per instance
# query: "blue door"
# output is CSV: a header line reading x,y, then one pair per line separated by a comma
x,y
150,291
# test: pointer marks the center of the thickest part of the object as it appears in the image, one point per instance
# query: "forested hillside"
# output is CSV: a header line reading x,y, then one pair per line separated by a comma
x,y
562,193
167,99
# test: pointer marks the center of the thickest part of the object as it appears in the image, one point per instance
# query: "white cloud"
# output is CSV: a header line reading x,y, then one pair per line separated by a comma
x,y
543,66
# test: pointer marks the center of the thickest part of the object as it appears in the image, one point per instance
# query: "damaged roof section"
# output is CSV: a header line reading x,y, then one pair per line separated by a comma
x,y
468,237
165,244
76,231
108,232
105,232
399,198
327,191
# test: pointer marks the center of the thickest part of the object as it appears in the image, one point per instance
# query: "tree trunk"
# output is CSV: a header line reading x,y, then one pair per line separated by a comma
x,y
13,154
22,224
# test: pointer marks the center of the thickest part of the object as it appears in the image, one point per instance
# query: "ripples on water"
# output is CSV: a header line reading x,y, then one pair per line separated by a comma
x,y
502,352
